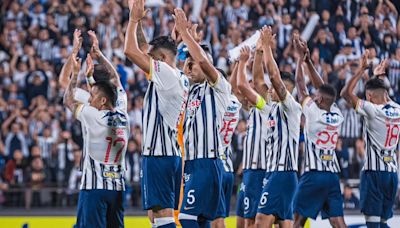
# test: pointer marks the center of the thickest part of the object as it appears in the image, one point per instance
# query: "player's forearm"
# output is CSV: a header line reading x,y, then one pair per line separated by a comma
x,y
141,38
132,50
108,65
233,78
199,56
69,101
65,73
274,74
316,79
244,86
258,73
300,82
348,91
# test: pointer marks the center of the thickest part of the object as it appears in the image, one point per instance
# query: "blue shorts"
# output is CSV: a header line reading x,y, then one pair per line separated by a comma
x,y
239,201
253,185
277,195
161,182
318,191
225,202
203,188
100,208
378,193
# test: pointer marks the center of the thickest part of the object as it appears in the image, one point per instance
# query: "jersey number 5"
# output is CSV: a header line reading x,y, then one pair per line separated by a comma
x,y
113,143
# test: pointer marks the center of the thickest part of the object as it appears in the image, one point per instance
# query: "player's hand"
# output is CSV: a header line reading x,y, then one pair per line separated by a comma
x,y
300,46
381,68
268,36
137,11
89,66
77,42
196,35
364,60
95,43
181,22
259,44
76,63
244,54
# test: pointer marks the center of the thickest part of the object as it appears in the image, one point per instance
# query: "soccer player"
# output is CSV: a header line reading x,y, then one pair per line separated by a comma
x,y
230,122
283,140
378,184
254,150
164,106
319,186
209,98
105,135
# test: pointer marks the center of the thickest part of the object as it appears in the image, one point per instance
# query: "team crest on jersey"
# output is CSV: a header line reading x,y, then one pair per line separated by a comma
x,y
391,111
331,118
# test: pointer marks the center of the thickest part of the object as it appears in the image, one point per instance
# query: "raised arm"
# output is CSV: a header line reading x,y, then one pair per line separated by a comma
x,y
243,84
258,70
197,53
132,49
348,90
96,53
272,67
69,100
66,70
302,91
141,38
233,80
304,53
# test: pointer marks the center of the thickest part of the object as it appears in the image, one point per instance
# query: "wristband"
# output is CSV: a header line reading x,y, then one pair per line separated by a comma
x,y
91,80
260,102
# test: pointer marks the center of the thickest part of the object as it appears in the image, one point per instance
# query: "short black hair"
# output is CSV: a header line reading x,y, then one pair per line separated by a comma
x,y
374,84
287,76
165,42
109,90
101,73
328,90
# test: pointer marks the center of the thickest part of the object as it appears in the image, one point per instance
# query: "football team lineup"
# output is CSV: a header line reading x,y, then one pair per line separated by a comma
x,y
289,169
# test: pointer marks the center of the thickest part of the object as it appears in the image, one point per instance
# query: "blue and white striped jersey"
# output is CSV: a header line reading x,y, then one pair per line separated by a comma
x,y
230,122
321,135
283,134
163,109
206,107
105,137
255,146
381,134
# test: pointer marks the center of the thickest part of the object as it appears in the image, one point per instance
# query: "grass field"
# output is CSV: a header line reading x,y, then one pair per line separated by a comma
x,y
69,221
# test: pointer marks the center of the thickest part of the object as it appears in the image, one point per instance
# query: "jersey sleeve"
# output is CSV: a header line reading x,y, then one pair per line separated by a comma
x,y
86,114
222,90
365,108
164,76
81,95
290,105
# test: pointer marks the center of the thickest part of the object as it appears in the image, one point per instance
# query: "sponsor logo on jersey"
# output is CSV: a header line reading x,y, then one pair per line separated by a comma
x,y
112,175
326,157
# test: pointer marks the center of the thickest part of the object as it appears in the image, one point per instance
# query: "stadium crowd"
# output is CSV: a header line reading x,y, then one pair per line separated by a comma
x,y
40,143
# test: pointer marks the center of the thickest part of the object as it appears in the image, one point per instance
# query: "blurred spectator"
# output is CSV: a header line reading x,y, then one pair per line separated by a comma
x,y
350,200
74,179
133,161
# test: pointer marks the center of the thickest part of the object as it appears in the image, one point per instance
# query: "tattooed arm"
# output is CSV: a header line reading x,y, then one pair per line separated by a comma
x,y
69,100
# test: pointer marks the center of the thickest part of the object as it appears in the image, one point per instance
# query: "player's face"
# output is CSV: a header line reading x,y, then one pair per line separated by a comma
x,y
97,99
193,71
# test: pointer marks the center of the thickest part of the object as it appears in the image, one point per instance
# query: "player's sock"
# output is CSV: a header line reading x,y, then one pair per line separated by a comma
x,y
166,222
153,225
384,224
373,221
205,224
373,225
188,221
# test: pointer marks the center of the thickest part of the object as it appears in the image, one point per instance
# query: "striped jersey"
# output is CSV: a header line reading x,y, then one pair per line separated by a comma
x,y
163,109
283,134
230,122
206,107
255,146
105,137
321,134
381,135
